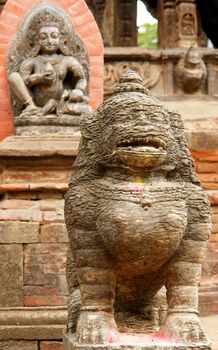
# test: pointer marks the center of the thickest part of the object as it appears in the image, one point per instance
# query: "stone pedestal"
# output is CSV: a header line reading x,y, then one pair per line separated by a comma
x,y
134,342
34,175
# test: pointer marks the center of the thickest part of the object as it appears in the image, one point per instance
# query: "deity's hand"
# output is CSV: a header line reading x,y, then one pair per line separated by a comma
x,y
48,77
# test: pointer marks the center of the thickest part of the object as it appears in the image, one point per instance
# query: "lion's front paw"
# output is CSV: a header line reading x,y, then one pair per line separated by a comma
x,y
184,327
96,328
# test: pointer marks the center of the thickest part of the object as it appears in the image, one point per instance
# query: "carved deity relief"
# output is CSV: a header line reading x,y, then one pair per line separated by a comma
x,y
188,24
47,69
186,29
138,223
191,72
150,74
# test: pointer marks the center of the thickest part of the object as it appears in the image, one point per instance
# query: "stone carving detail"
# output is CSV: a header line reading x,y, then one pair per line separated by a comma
x,y
186,24
137,220
149,73
191,71
47,69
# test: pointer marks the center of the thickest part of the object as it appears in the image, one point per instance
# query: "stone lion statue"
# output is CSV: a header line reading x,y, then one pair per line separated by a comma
x,y
138,222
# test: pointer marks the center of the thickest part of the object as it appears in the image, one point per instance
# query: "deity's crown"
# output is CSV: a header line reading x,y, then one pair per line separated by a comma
x,y
46,18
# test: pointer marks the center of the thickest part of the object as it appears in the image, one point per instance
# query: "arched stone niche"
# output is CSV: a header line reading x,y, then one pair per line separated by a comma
x,y
85,27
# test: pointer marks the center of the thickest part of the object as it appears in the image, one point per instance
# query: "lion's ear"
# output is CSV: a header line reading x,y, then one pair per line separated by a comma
x,y
185,164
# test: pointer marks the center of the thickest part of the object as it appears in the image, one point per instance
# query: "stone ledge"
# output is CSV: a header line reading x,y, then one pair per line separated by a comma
x,y
20,187
67,146
133,342
32,323
39,146
18,345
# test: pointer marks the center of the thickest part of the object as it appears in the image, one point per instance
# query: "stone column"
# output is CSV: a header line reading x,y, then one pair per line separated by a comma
x,y
166,25
117,22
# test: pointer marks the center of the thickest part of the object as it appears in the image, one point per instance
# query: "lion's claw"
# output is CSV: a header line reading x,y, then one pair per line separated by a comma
x,y
184,328
96,328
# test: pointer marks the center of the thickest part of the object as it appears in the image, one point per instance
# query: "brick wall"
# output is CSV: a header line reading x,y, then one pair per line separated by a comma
x,y
207,169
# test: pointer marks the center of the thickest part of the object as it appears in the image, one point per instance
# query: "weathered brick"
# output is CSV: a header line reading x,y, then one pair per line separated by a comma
x,y
207,167
49,205
19,204
215,228
45,248
52,216
18,345
45,300
50,195
21,215
214,209
209,177
51,345
55,232
215,218
11,272
39,290
19,232
44,274
214,237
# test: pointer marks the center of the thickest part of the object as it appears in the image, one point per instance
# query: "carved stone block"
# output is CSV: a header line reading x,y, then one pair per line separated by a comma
x,y
11,272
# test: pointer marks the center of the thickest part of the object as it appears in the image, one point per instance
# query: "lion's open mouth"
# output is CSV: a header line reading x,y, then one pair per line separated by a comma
x,y
141,151
142,143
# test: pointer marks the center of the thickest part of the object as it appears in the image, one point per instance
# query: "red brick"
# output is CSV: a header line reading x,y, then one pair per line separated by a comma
x,y
45,300
207,167
64,3
214,237
96,60
208,177
83,19
214,209
40,291
78,7
9,17
3,82
50,345
15,7
205,156
6,28
215,217
210,185
3,135
87,30
95,72
95,103
6,127
27,3
215,228
4,94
